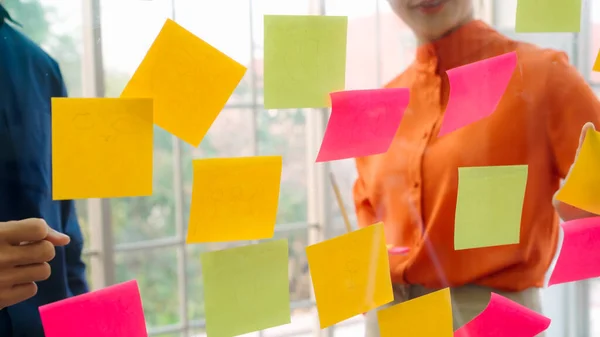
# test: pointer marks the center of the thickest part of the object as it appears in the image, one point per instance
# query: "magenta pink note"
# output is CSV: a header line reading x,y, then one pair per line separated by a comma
x,y
114,311
362,122
579,256
503,318
476,90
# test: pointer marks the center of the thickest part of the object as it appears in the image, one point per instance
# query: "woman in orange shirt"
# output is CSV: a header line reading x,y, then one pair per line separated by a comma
x,y
413,187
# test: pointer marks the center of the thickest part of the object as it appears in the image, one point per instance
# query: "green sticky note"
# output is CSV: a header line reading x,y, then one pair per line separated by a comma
x,y
550,16
304,60
246,289
489,206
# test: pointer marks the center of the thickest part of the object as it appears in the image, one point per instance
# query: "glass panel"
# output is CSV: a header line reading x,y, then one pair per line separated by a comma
x,y
345,176
56,26
146,218
282,132
505,16
231,135
156,273
120,33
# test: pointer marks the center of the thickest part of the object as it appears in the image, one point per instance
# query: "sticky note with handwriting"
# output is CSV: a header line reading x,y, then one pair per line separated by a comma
x,y
548,16
234,199
503,317
489,205
246,288
475,90
414,317
578,255
101,147
114,311
305,60
350,274
189,80
362,122
582,186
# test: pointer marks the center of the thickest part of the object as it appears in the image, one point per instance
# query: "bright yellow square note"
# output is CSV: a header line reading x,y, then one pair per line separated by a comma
x,y
234,199
596,67
189,80
582,186
425,316
101,147
350,274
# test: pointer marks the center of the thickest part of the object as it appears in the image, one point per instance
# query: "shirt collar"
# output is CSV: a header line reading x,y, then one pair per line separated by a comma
x,y
452,50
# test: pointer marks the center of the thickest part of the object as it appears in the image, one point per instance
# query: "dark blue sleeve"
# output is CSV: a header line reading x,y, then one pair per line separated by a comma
x,y
70,223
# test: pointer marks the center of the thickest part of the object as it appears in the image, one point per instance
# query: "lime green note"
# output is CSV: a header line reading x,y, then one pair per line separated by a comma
x,y
551,16
246,288
489,206
305,60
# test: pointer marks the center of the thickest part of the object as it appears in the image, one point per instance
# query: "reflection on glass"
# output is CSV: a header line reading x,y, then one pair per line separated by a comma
x,y
156,273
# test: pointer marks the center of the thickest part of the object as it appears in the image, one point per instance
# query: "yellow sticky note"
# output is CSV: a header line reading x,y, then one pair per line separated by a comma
x,y
597,63
582,187
425,316
189,80
350,274
234,199
101,147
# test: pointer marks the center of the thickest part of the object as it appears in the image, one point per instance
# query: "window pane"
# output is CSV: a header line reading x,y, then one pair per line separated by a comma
x,y
125,42
152,217
505,18
282,132
56,26
156,272
345,175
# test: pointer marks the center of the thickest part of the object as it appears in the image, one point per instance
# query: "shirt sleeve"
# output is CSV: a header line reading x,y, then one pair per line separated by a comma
x,y
365,213
572,103
75,266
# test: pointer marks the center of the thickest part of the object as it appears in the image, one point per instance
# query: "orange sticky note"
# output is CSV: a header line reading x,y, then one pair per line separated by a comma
x,y
425,316
350,274
189,80
597,63
234,199
582,186
101,147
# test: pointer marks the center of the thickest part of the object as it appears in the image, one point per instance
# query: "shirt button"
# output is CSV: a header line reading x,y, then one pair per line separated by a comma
x,y
416,185
425,135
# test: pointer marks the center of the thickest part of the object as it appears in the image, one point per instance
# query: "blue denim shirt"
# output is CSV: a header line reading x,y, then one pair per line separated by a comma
x,y
28,79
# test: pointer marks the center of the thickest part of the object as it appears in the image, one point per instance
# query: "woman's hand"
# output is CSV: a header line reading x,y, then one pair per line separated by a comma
x,y
565,211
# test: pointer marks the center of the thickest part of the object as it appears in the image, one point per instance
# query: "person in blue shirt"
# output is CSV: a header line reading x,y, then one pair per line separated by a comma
x,y
38,264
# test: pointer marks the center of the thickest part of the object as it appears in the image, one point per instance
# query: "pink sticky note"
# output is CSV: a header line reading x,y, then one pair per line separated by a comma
x,y
476,90
362,122
579,256
114,311
502,318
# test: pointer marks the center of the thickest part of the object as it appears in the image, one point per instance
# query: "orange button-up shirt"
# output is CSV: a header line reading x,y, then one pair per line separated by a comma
x,y
413,187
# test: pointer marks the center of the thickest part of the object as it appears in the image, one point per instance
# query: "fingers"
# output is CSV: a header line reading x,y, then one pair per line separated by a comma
x,y
15,232
32,253
586,127
57,238
18,293
26,274
30,230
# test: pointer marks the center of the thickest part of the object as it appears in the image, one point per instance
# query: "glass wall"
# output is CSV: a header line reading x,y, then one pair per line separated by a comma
x,y
99,44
